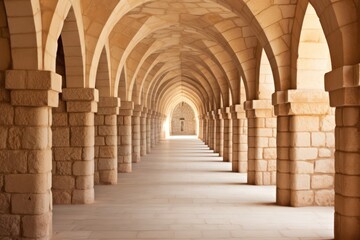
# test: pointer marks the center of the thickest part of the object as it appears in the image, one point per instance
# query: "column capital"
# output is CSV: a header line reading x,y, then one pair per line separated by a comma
x,y
300,102
126,108
81,99
138,110
108,105
144,112
33,88
225,113
258,108
343,86
237,111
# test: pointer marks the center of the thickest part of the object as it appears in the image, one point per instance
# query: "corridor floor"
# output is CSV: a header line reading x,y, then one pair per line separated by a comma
x,y
183,191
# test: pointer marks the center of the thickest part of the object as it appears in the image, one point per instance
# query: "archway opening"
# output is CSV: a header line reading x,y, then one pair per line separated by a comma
x,y
183,121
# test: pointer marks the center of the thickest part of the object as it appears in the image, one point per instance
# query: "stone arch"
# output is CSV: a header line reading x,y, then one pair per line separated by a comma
x,y
70,27
103,75
25,33
73,120
339,21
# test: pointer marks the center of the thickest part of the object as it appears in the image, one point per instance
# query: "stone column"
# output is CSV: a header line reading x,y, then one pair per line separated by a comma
x,y
220,132
74,152
239,140
342,85
201,127
25,153
305,146
211,130
163,133
261,142
148,131
157,127
143,132
106,140
205,129
153,130
227,135
136,135
124,137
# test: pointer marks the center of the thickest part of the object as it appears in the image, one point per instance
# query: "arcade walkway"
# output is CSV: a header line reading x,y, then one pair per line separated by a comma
x,y
183,191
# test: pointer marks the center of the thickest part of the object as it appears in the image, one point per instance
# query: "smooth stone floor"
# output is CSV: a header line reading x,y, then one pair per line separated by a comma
x,y
182,190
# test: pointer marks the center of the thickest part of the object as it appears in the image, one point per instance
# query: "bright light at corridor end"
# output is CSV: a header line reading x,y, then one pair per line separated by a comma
x,y
167,124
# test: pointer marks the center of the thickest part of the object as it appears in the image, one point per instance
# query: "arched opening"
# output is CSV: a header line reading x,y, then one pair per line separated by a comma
x,y
183,120
72,126
314,133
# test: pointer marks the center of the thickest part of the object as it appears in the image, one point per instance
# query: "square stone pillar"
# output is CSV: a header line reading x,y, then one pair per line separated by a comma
x,y
201,127
343,87
205,129
163,127
125,137
148,131
220,133
211,131
143,132
157,127
106,161
136,133
25,153
239,140
261,142
153,129
227,135
73,173
305,146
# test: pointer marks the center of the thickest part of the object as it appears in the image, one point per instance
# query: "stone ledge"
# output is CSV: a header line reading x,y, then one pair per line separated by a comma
x,y
342,77
80,94
32,80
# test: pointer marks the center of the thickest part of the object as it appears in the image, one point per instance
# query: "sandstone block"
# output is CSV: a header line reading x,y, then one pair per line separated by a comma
x,y
88,154
304,124
63,168
35,138
300,182
26,116
81,119
61,197
10,225
322,182
26,183
82,136
14,138
34,98
63,182
60,119
36,226
108,152
302,198
4,203
325,166
67,154
303,153
324,197
61,137
30,203
13,161
82,94
83,196
108,177
110,120
302,167
82,168
85,182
